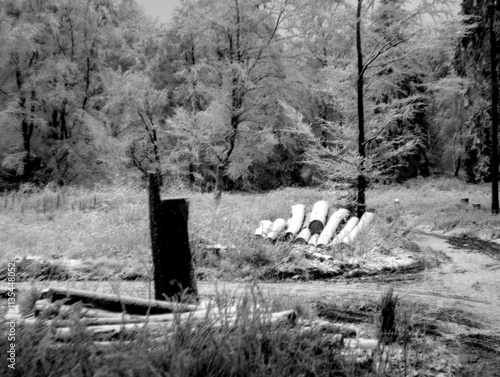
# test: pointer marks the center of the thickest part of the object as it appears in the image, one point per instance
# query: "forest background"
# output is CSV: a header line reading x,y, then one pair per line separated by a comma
x,y
243,95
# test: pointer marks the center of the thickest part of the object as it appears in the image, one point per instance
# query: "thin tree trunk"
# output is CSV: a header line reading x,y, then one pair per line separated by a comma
x,y
219,177
457,167
361,118
494,112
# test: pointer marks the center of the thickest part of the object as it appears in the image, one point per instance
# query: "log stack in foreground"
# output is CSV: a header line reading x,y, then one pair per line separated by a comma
x,y
65,314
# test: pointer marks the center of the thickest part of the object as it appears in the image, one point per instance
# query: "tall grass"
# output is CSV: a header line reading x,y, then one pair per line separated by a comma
x,y
251,347
434,204
105,230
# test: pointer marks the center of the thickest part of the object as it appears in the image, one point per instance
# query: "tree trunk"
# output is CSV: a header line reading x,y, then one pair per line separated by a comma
x,y
361,118
494,111
27,130
458,165
64,129
219,182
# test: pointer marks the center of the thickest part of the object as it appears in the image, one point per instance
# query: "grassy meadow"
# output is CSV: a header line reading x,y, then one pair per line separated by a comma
x,y
104,233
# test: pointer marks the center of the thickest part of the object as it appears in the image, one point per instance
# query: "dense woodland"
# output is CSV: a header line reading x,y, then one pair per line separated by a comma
x,y
246,94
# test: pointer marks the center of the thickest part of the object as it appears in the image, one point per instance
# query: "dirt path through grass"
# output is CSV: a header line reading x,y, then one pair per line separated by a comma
x,y
466,281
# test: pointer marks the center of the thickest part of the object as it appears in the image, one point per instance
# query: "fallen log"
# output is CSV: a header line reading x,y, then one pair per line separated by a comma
x,y
287,316
304,233
108,331
348,227
113,331
313,240
122,318
264,228
336,328
318,217
42,308
278,227
114,303
303,237
296,221
331,226
363,223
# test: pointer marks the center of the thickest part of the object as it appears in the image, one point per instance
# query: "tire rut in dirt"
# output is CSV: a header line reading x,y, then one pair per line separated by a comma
x,y
466,242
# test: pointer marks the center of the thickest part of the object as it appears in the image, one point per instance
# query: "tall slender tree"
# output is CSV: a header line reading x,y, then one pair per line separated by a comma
x,y
361,200
494,106
477,58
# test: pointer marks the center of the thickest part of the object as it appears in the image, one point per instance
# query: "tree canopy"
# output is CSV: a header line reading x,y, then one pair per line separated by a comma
x,y
237,94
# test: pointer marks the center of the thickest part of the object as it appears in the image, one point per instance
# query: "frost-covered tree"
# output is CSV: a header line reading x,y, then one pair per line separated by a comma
x,y
231,69
55,58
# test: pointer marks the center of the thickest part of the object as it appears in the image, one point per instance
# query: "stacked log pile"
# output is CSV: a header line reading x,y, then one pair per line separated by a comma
x,y
110,318
323,227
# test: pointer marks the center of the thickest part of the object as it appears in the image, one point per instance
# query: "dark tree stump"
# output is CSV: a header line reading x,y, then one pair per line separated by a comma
x,y
172,262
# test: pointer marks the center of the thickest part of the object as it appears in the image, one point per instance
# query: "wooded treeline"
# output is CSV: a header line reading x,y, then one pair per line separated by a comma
x,y
243,94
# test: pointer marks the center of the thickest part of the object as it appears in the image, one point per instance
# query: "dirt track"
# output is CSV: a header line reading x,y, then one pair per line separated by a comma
x,y
461,297
467,281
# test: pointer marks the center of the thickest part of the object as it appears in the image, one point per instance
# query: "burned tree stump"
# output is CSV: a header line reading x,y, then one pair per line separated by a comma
x,y
172,262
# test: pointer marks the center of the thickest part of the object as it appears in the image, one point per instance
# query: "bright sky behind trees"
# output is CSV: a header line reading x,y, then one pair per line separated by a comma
x,y
163,9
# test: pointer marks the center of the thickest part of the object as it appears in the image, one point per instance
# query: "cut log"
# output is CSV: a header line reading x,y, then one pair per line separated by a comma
x,y
363,223
277,229
114,303
331,227
303,237
348,227
264,228
296,221
112,331
318,217
336,328
120,318
305,234
313,240
287,316
106,331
